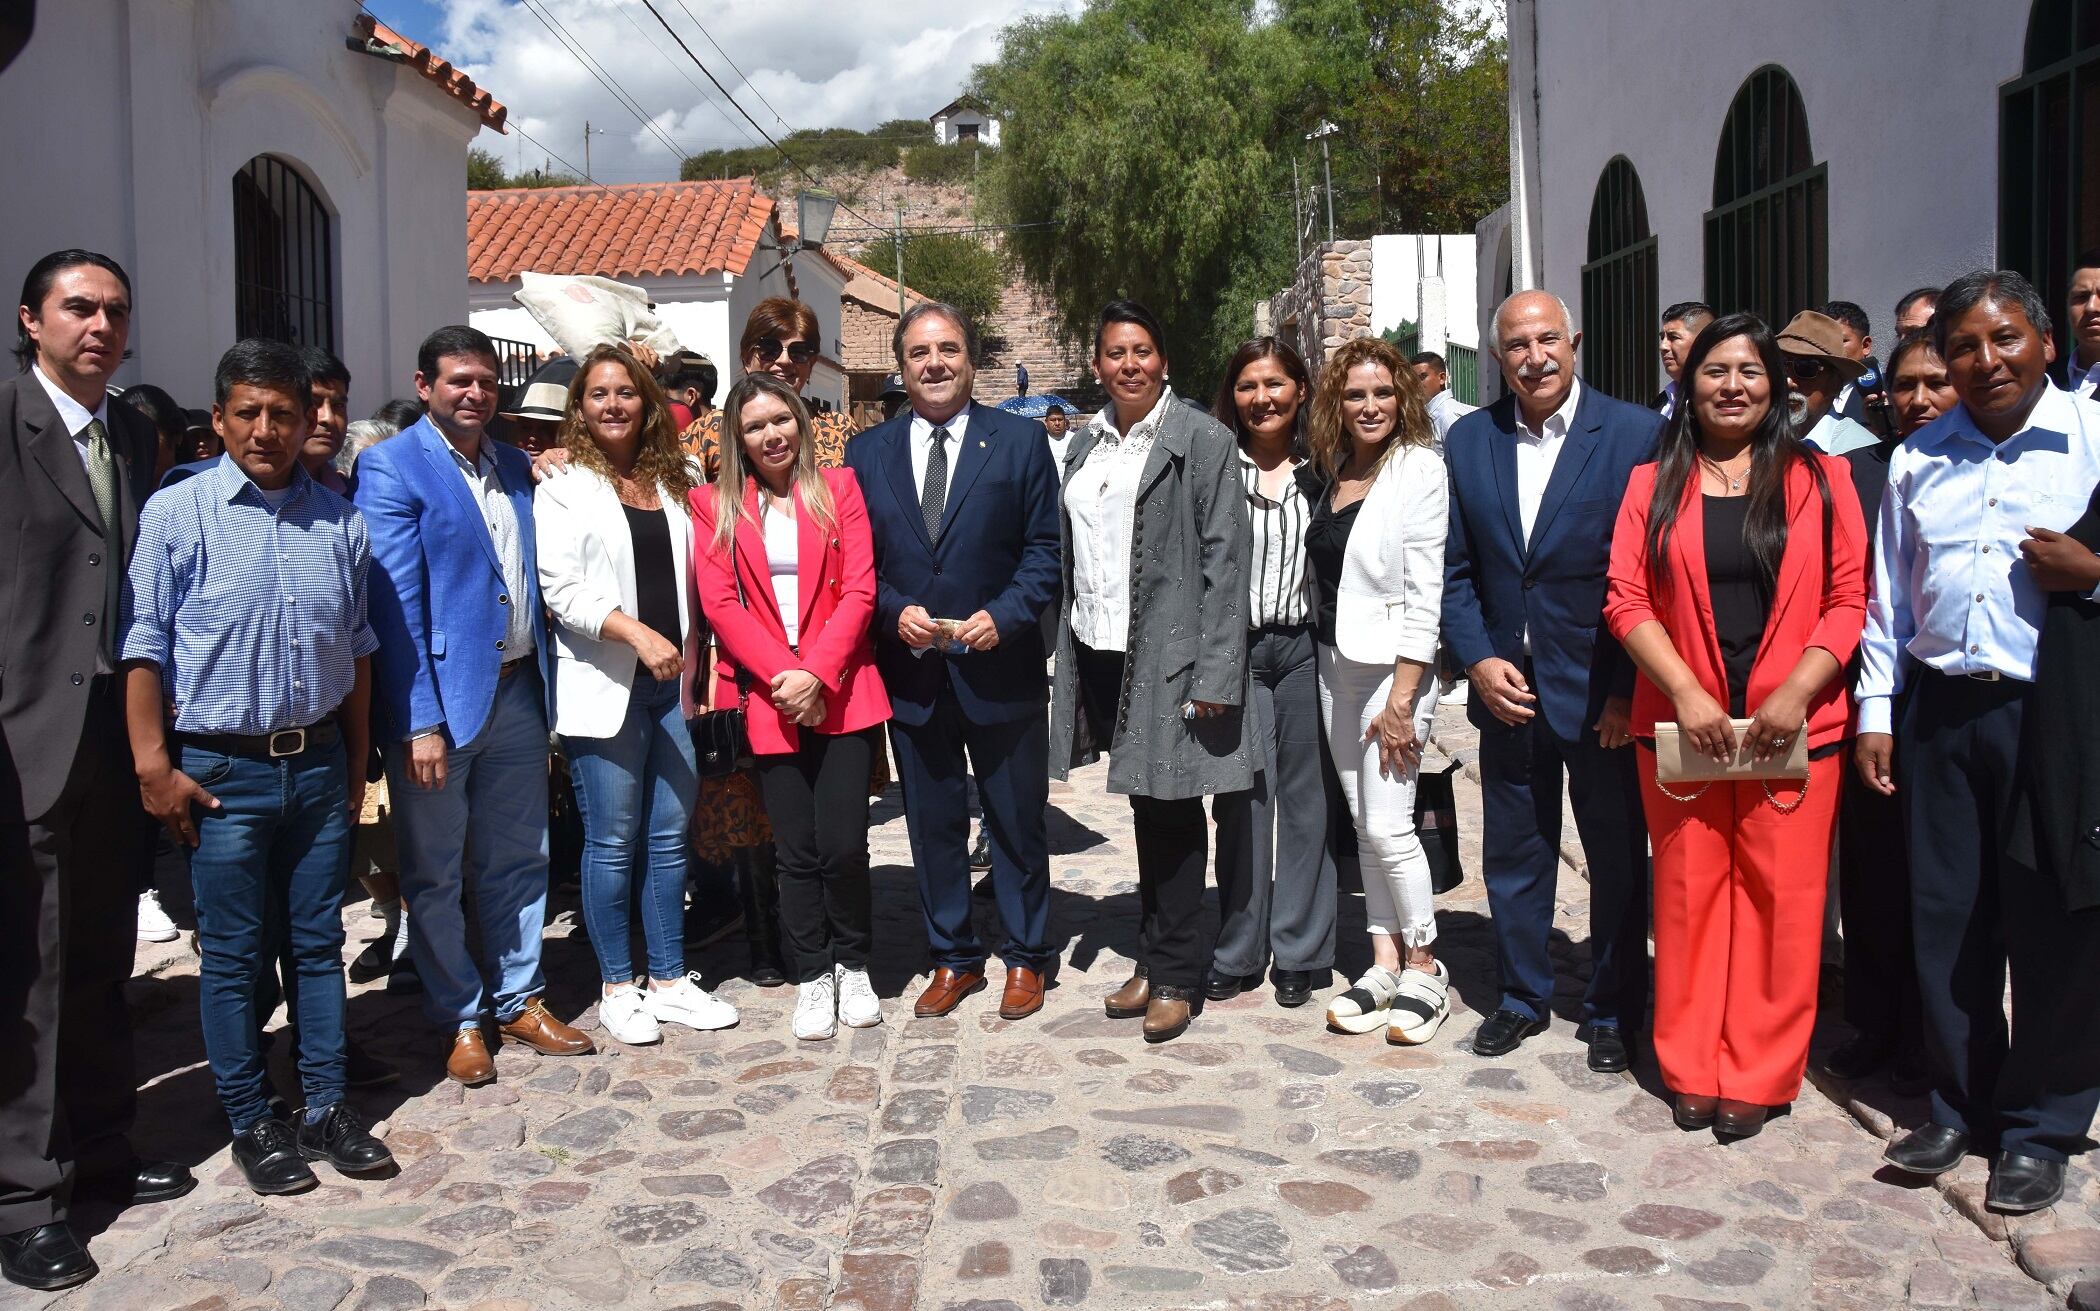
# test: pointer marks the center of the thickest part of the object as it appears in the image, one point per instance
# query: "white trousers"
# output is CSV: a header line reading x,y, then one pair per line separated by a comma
x,y
1397,899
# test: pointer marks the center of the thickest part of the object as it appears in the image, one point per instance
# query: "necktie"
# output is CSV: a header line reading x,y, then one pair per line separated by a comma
x,y
933,497
102,480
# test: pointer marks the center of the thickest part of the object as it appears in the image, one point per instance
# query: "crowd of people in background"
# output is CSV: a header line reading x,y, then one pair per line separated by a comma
x,y
1802,602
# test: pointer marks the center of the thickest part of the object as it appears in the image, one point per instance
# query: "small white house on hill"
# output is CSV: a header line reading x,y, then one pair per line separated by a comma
x,y
964,119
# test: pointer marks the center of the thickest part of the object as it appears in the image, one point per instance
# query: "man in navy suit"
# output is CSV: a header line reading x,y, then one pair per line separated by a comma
x,y
1535,485
962,500
462,677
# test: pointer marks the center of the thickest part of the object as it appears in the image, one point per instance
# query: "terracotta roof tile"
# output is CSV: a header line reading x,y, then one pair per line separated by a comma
x,y
634,230
377,38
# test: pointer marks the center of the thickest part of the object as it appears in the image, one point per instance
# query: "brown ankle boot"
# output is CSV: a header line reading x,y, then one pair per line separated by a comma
x,y
1129,1001
1168,1015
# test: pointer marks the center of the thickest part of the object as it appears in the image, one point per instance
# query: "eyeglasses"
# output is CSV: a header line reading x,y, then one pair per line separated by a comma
x,y
1798,370
768,350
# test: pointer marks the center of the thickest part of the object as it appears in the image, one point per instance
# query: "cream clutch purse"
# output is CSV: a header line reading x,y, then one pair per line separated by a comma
x,y
1677,761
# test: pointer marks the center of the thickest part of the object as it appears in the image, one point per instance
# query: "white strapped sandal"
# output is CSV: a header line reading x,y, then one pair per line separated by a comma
x,y
1420,1008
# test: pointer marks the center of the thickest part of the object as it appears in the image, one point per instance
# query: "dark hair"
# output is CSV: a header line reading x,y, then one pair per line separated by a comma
x,y
458,339
937,309
1432,359
42,275
695,371
1057,410
158,406
1849,314
1997,286
1774,449
399,413
1917,339
2089,258
1916,294
1685,311
260,362
1129,311
1226,409
323,367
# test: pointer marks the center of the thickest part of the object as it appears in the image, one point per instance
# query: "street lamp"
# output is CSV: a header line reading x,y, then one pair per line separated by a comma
x,y
813,213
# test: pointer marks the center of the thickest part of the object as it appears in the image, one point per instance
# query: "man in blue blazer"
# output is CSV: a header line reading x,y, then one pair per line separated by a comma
x,y
1536,480
462,675
962,500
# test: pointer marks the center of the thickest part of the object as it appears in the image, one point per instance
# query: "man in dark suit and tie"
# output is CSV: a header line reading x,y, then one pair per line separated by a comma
x,y
1535,485
73,837
963,503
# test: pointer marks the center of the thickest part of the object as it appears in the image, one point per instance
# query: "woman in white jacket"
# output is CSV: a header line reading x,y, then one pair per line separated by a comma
x,y
615,541
1376,541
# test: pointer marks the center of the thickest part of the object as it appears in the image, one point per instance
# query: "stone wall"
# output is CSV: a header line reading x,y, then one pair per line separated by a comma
x,y
1327,303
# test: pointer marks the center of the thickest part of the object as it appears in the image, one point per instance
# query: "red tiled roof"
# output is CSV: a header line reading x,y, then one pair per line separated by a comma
x,y
378,38
637,229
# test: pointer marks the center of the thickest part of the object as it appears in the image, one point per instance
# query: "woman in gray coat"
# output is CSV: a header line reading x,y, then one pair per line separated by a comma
x,y
1151,648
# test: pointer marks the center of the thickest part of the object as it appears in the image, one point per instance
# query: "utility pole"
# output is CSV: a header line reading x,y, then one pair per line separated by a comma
x,y
588,133
1320,134
897,235
1297,209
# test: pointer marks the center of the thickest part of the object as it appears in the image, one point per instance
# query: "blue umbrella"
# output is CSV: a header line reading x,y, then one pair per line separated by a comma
x,y
1034,407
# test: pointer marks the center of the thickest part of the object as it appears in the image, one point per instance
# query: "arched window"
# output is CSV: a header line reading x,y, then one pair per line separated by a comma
x,y
1768,236
2049,147
1618,289
283,256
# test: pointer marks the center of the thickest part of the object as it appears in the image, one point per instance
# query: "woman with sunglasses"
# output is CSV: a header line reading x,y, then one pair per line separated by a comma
x,y
781,338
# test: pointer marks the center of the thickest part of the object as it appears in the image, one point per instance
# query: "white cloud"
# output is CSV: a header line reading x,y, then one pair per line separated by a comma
x,y
817,64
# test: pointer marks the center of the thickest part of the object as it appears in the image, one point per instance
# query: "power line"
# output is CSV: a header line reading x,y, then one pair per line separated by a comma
x,y
733,65
665,55
519,129
568,42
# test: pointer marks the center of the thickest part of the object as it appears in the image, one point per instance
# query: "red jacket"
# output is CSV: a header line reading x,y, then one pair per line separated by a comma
x,y
836,605
1806,611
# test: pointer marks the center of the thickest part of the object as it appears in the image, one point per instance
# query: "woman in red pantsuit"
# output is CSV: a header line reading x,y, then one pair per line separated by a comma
x,y
1738,587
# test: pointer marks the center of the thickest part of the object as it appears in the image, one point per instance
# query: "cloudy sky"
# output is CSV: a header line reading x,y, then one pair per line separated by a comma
x,y
845,63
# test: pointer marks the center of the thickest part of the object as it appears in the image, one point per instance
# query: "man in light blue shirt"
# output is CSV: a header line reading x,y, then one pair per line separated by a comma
x,y
1955,617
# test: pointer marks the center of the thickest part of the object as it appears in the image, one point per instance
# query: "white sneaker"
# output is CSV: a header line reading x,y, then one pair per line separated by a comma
x,y
686,1002
1421,1006
1365,1005
626,1016
859,1008
154,924
816,1008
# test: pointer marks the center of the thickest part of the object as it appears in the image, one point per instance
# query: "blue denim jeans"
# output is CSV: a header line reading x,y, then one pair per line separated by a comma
x,y
635,791
481,839
269,867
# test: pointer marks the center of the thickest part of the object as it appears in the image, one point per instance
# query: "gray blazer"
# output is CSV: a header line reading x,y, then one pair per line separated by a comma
x,y
1188,629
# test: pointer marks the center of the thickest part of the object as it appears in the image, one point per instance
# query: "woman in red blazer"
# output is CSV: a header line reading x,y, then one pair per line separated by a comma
x,y
785,567
1738,587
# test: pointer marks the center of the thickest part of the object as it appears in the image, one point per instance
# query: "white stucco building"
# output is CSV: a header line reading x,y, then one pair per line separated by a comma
x,y
963,119
705,252
258,167
1770,157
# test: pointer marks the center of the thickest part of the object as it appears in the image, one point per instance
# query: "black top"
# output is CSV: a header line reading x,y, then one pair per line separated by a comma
x,y
655,576
2056,828
1737,592
1326,542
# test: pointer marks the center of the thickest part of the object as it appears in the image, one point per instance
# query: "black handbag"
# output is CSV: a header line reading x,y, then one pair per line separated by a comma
x,y
1436,821
721,744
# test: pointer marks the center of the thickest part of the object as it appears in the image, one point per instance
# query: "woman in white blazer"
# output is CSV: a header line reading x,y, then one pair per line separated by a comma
x,y
1376,542
615,545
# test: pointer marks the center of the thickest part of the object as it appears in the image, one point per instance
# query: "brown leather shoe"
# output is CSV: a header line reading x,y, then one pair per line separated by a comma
x,y
1168,1014
1024,993
1129,1001
470,1062
537,1028
945,991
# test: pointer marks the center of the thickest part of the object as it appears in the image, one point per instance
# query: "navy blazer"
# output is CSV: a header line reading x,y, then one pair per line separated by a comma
x,y
1497,586
998,553
437,599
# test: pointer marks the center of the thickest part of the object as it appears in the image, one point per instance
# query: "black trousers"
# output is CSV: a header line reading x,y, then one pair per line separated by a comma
x,y
817,799
1881,985
68,928
1173,845
1974,914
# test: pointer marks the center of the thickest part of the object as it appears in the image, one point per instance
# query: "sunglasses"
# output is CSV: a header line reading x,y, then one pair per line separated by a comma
x,y
768,350
1805,370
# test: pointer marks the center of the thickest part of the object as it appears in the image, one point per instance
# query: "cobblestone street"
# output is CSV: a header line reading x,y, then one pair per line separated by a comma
x,y
1258,1162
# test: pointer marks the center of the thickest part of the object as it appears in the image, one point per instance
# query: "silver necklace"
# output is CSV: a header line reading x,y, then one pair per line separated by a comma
x,y
1734,481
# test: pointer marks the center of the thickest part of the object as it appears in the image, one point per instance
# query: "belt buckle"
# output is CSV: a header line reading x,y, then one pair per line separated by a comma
x,y
287,742
1985,675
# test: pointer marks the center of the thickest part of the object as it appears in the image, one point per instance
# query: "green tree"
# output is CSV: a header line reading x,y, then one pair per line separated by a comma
x,y
485,171
946,266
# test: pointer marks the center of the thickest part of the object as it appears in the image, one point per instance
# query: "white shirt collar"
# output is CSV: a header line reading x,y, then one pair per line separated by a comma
x,y
1558,422
922,428
2055,412
1104,421
71,412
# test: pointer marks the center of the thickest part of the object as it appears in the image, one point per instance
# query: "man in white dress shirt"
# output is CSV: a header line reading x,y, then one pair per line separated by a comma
x,y
1955,617
2081,364
1434,374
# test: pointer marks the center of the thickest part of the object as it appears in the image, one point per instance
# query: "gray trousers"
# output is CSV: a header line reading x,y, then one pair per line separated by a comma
x,y
1276,875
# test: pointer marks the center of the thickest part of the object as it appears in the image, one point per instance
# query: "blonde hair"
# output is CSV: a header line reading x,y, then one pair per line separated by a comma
x,y
662,458
736,469
1327,432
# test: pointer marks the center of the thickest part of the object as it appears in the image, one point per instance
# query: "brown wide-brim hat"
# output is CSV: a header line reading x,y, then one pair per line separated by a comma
x,y
1812,336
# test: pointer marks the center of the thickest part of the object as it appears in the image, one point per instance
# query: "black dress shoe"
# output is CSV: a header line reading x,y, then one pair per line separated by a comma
x,y
1607,1050
1863,1054
339,1138
45,1258
1504,1032
2020,1184
142,1182
268,1154
1219,986
1293,987
361,1069
981,854
1928,1149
